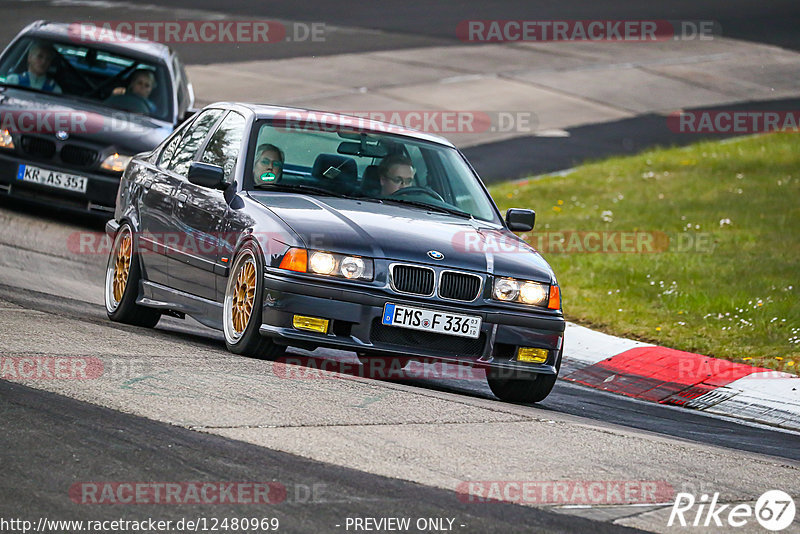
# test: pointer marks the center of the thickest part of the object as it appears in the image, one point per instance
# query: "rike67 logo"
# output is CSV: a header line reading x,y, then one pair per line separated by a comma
x,y
774,510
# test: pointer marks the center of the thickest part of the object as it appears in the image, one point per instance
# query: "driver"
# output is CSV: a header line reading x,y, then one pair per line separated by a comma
x,y
268,165
136,97
40,57
395,172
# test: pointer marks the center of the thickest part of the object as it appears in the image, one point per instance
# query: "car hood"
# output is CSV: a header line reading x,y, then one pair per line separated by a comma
x,y
400,233
41,113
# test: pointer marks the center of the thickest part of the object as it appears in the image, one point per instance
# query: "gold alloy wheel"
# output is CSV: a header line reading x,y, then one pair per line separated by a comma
x,y
244,294
122,266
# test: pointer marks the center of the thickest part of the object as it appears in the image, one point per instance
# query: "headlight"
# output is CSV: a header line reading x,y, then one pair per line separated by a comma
x,y
115,162
328,263
533,293
353,267
522,291
5,139
321,263
506,289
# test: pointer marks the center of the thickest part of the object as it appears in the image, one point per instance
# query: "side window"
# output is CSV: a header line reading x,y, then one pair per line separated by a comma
x,y
192,140
169,149
224,145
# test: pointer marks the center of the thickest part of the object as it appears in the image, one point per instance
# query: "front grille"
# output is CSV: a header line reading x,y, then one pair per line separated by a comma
x,y
78,155
427,341
37,147
412,280
459,286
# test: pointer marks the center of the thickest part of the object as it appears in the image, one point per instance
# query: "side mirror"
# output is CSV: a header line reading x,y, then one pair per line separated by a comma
x,y
520,220
207,175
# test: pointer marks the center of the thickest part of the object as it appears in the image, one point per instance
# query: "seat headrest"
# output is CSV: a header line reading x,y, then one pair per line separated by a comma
x,y
340,171
371,181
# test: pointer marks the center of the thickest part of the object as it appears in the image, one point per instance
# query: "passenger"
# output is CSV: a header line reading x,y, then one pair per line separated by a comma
x,y
136,97
40,57
268,164
395,172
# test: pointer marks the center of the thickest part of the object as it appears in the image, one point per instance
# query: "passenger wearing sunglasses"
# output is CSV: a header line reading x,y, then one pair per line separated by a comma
x,y
396,173
268,166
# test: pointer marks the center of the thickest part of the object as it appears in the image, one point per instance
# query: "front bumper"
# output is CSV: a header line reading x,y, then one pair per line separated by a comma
x,y
355,316
100,195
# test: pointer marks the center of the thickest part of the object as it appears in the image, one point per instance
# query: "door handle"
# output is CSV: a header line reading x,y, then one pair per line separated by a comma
x,y
181,198
147,184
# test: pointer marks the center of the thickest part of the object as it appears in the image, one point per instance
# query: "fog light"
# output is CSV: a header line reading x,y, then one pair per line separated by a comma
x,y
313,324
532,355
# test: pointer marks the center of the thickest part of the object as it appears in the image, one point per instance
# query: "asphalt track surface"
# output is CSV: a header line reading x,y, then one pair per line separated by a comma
x,y
73,441
771,22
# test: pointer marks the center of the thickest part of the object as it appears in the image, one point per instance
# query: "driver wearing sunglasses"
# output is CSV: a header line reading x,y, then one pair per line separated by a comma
x,y
396,173
268,165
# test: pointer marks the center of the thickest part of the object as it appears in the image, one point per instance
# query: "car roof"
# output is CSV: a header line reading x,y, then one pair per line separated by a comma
x,y
64,31
266,111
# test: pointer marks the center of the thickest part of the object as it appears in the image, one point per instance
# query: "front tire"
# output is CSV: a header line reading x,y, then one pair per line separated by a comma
x,y
241,314
123,274
531,388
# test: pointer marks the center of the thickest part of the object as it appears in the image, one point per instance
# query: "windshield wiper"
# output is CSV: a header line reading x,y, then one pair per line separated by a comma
x,y
300,188
442,209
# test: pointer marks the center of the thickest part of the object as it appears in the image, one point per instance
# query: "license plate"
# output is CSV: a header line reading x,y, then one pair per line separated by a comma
x,y
431,320
70,182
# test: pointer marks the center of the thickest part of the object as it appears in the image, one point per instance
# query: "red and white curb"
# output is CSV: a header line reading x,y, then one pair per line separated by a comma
x,y
669,376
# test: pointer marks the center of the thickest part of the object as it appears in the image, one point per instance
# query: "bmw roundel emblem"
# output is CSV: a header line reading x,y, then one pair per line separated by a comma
x,y
61,135
435,254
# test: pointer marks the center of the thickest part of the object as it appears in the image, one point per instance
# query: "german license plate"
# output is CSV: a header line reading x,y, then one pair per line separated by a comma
x,y
70,182
431,320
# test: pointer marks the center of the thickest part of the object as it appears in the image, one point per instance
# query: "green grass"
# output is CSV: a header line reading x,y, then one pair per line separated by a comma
x,y
735,296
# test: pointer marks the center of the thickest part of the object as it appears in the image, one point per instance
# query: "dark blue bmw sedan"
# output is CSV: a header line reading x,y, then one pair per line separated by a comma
x,y
287,227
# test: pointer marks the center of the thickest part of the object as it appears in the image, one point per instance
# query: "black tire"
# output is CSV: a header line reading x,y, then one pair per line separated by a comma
x,y
531,388
121,287
245,291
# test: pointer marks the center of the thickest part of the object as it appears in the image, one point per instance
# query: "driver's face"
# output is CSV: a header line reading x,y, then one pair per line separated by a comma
x,y
39,60
398,177
142,86
268,161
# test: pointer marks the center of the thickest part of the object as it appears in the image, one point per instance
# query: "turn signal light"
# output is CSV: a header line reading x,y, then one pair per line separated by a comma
x,y
554,302
296,259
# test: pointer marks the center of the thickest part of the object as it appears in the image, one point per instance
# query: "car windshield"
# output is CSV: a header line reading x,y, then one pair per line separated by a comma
x,y
75,69
384,166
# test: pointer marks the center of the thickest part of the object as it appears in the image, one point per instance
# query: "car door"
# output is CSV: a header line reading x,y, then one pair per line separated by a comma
x,y
155,208
200,212
171,240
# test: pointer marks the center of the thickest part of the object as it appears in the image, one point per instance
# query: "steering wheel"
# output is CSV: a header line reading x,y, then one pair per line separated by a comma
x,y
416,190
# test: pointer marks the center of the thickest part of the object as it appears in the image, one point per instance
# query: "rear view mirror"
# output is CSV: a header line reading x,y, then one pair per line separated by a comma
x,y
520,220
207,175
352,148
